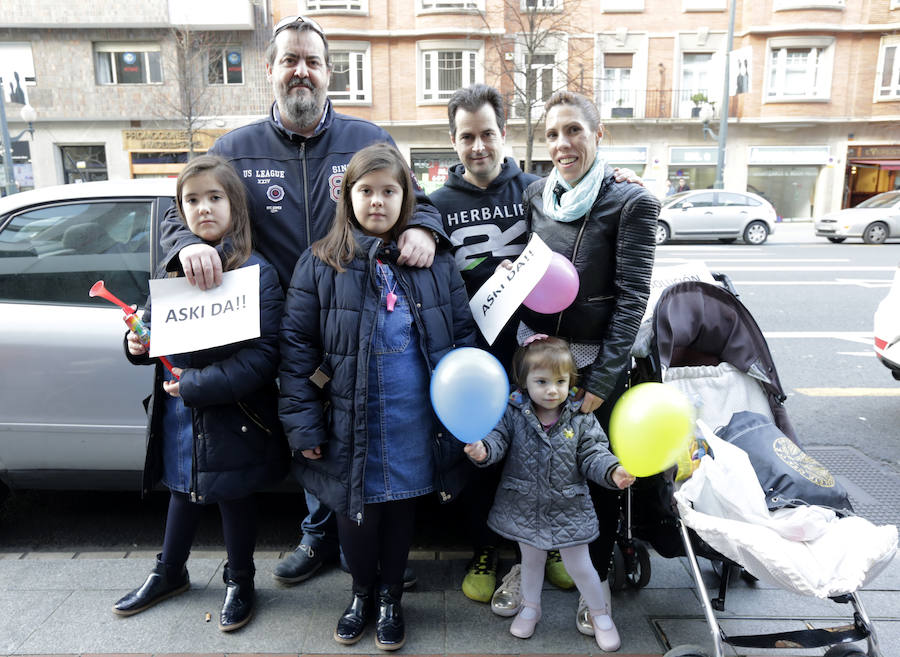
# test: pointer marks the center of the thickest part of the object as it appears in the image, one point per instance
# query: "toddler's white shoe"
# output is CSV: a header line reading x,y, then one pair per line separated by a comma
x,y
507,599
524,622
605,631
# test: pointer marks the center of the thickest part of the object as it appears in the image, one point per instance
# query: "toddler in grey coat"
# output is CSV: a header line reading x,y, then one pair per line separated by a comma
x,y
542,502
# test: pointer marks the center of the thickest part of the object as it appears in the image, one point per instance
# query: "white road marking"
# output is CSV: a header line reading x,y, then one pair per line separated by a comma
x,y
848,392
858,337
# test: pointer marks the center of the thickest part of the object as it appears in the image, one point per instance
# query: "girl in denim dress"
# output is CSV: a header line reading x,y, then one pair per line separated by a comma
x,y
359,339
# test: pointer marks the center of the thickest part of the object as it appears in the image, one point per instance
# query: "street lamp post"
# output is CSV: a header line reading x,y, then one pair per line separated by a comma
x,y
723,111
28,115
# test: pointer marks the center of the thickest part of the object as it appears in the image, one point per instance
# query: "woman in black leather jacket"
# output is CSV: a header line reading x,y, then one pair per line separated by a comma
x,y
607,230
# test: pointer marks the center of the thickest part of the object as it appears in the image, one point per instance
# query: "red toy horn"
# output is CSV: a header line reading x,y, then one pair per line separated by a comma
x,y
98,289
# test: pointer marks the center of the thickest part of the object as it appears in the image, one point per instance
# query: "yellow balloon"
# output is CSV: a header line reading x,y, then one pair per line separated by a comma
x,y
650,426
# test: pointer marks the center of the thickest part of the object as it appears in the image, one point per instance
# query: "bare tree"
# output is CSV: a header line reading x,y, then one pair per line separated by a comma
x,y
535,57
187,96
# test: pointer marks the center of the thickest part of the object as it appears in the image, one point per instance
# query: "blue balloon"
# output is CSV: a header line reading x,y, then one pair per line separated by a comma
x,y
469,392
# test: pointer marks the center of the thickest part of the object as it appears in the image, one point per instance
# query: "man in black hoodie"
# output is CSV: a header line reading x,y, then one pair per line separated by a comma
x,y
481,207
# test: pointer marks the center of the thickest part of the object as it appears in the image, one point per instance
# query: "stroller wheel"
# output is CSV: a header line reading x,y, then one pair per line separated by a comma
x,y
617,570
844,651
638,566
687,651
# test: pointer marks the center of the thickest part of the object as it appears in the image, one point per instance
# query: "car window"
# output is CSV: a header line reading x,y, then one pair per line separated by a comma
x,y
881,200
53,254
730,199
701,200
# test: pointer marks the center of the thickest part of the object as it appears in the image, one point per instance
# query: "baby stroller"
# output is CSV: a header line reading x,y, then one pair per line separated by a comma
x,y
704,341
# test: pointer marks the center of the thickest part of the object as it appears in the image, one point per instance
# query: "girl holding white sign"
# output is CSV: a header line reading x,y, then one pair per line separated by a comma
x,y
213,434
360,337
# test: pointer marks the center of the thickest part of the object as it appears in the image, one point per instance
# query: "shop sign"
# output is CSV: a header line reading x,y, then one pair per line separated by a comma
x,y
168,140
788,155
874,152
693,156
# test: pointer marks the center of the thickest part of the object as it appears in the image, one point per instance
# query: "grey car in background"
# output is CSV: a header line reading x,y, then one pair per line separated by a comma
x,y
71,413
715,214
874,220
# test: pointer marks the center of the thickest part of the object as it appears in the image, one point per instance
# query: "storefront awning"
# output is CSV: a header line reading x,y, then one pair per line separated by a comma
x,y
886,165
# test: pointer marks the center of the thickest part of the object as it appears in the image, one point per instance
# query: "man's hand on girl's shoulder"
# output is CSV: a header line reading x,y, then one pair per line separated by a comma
x,y
312,454
417,247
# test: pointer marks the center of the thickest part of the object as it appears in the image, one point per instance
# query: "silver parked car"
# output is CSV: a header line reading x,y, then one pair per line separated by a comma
x,y
70,405
874,220
706,214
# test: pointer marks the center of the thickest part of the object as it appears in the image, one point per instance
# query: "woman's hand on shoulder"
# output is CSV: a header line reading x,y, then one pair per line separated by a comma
x,y
622,478
505,264
312,454
476,451
627,175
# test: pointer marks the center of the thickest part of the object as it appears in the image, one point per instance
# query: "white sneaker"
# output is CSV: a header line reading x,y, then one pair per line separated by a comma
x,y
507,599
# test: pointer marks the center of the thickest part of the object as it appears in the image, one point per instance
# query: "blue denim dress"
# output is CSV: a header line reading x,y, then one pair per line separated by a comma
x,y
177,438
399,458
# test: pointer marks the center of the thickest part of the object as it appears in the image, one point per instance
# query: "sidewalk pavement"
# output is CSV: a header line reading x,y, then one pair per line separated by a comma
x,y
59,604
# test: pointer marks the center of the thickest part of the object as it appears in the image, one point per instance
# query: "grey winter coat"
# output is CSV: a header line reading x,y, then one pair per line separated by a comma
x,y
543,498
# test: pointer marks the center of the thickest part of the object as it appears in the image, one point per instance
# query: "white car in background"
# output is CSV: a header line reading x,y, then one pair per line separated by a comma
x,y
714,214
874,220
887,328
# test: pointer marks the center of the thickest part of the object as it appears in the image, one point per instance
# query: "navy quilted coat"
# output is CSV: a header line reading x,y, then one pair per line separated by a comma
x,y
239,446
327,327
543,498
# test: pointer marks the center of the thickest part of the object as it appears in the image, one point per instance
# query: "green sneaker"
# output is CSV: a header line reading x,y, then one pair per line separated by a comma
x,y
481,578
556,572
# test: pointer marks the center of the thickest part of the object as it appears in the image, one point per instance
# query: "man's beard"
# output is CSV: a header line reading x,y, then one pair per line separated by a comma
x,y
302,110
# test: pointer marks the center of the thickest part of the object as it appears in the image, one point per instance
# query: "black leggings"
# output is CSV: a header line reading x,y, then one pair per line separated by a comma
x,y
239,524
606,502
383,539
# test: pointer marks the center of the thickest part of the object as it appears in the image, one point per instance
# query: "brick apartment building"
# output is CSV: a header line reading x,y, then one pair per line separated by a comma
x,y
816,126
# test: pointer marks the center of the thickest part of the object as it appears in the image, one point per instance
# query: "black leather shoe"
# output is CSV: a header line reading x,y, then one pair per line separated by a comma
x,y
390,631
356,616
301,564
237,610
163,582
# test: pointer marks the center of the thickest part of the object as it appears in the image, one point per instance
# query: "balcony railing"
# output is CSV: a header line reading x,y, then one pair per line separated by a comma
x,y
653,103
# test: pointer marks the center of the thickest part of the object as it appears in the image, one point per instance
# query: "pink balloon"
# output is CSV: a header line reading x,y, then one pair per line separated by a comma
x,y
557,288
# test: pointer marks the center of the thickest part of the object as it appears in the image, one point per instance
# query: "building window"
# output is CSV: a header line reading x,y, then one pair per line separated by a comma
x,y
799,69
351,73
83,163
895,4
617,94
338,5
541,71
226,65
780,5
609,6
541,5
443,70
128,63
696,78
888,76
451,5
17,71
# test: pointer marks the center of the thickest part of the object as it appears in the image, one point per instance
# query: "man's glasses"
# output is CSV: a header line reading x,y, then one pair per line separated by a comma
x,y
296,21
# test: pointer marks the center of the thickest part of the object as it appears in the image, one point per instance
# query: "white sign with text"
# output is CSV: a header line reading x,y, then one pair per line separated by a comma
x,y
186,318
496,301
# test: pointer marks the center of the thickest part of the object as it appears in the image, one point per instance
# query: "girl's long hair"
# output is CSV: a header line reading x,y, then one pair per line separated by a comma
x,y
552,353
338,247
240,233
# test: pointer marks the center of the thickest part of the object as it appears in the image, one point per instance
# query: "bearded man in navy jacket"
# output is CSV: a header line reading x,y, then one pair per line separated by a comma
x,y
292,163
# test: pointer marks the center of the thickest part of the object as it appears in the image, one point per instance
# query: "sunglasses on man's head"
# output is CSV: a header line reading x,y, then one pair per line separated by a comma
x,y
296,21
